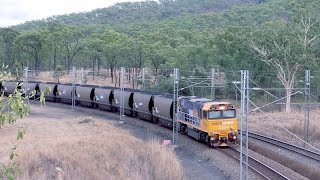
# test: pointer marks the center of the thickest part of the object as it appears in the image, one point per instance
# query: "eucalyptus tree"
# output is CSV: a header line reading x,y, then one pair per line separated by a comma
x,y
114,49
288,46
8,36
139,51
71,39
158,55
94,50
31,43
54,29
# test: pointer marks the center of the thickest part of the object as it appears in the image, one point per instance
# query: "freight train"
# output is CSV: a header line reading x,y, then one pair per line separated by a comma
x,y
212,122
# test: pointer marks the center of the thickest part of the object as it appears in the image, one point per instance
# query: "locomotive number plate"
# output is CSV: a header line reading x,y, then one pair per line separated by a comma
x,y
215,123
227,122
223,127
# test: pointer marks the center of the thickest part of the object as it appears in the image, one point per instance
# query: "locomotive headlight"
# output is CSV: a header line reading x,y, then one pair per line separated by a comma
x,y
234,137
222,107
214,137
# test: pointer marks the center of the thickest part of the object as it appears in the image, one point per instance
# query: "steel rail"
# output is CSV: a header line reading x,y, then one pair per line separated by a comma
x,y
296,149
255,165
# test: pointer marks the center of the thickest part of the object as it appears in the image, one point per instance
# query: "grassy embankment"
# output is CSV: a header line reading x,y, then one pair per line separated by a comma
x,y
75,147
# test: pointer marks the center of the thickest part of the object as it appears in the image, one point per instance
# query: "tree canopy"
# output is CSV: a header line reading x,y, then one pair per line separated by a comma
x,y
187,34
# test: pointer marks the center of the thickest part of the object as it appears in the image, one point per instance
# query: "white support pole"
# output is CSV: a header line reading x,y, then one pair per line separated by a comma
x,y
175,107
26,90
213,88
307,106
134,77
73,96
244,125
121,107
82,75
143,73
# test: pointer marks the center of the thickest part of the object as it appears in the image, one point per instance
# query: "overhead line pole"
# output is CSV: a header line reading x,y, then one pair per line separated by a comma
x,y
26,84
142,84
82,75
244,125
307,106
121,107
73,97
175,104
213,88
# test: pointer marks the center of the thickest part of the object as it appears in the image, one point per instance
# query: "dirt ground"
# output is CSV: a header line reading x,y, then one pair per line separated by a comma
x,y
56,125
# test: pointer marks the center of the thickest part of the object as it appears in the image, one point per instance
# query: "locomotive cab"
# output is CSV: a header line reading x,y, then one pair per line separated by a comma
x,y
210,121
219,119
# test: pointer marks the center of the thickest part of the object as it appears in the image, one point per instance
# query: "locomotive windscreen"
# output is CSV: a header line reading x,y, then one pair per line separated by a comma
x,y
218,114
229,113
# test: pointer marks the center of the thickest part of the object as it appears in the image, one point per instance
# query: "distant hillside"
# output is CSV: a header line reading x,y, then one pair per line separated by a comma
x,y
142,12
186,34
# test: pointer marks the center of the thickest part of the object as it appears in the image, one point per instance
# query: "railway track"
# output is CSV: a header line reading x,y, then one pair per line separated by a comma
x,y
255,165
293,148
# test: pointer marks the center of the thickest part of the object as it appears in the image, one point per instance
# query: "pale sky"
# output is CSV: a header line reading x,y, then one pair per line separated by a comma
x,y
13,12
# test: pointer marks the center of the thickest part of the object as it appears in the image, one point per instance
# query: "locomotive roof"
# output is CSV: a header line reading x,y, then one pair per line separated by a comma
x,y
207,106
200,100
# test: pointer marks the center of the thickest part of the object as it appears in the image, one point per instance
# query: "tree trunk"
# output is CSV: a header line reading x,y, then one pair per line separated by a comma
x,y
111,73
69,62
129,77
133,77
54,58
155,76
65,65
68,66
99,64
288,99
93,64
119,79
116,78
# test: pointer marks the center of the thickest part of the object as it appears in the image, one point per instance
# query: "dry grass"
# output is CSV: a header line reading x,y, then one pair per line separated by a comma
x,y
93,149
90,158
105,80
271,125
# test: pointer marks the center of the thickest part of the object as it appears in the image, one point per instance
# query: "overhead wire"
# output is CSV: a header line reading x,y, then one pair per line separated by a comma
x,y
263,89
278,124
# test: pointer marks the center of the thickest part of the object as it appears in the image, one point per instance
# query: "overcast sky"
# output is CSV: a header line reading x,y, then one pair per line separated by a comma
x,y
14,12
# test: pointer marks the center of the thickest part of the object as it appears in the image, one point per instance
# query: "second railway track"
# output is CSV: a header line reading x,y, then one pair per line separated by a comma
x,y
255,165
293,148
